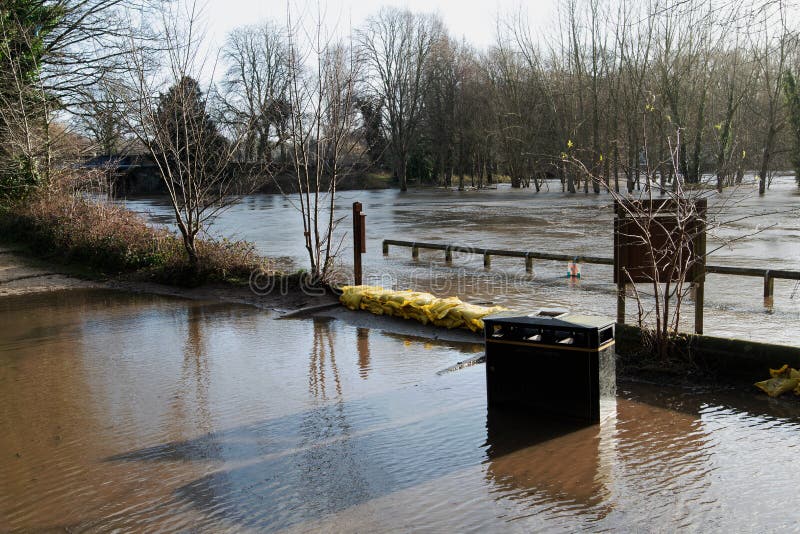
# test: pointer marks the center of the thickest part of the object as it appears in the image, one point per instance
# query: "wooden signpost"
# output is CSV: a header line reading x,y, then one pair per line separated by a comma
x,y
359,241
650,245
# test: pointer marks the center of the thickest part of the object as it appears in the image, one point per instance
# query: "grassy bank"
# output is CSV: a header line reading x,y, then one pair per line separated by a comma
x,y
104,239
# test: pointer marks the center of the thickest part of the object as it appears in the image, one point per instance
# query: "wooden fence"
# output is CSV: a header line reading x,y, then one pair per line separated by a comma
x,y
768,275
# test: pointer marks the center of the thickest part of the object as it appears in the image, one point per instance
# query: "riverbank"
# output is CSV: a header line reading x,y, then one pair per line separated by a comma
x,y
23,274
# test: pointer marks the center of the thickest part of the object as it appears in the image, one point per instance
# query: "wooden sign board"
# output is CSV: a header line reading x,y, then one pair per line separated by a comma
x,y
649,243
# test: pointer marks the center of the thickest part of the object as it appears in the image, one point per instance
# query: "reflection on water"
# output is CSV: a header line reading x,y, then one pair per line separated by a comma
x,y
141,413
546,460
549,222
362,345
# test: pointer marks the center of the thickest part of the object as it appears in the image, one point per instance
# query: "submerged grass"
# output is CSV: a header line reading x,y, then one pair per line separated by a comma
x,y
108,239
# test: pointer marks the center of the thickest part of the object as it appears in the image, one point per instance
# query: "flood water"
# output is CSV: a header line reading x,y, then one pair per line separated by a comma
x,y
753,232
133,412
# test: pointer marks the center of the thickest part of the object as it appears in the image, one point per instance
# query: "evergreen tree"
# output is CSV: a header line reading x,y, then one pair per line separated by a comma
x,y
188,140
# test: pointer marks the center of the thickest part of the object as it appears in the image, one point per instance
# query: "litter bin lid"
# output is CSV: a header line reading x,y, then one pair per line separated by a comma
x,y
564,320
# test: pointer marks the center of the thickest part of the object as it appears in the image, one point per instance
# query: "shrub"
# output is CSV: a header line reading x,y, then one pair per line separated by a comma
x,y
112,239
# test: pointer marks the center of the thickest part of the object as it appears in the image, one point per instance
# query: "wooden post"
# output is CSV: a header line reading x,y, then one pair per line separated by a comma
x,y
414,252
359,241
769,286
487,261
701,206
620,302
528,263
448,255
385,248
699,299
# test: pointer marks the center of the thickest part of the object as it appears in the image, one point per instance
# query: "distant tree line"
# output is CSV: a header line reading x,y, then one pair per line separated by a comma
x,y
627,88
655,89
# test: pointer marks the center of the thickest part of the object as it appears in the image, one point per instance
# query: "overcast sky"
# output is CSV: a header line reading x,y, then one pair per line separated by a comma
x,y
470,19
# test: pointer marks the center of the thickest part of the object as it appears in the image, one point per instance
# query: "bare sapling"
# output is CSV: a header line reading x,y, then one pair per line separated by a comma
x,y
322,122
664,229
172,116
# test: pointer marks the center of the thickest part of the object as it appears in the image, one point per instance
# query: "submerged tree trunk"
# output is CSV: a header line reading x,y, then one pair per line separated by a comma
x,y
765,159
402,172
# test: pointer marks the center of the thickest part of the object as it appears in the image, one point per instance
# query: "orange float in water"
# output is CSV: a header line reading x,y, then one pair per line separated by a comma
x,y
574,269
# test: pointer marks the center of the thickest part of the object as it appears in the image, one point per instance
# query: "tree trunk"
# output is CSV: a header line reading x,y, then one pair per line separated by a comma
x,y
765,160
402,173
570,182
191,253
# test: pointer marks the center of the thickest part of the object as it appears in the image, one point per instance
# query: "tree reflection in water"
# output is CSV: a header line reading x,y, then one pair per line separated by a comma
x,y
329,457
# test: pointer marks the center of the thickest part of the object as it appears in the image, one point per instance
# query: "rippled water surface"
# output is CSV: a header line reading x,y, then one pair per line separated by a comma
x,y
753,232
141,413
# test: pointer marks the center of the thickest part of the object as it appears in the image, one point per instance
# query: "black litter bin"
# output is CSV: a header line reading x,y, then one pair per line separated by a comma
x,y
550,363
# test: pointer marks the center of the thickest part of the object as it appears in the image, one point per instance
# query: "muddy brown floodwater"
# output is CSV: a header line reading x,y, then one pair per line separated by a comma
x,y
753,231
144,413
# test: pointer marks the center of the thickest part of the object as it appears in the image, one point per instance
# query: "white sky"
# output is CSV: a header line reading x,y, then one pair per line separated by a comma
x,y
473,20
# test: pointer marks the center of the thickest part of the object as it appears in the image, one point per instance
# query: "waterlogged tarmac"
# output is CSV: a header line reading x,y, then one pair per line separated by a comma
x,y
747,231
142,413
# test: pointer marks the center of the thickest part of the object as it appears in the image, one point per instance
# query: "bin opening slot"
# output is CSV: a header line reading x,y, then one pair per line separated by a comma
x,y
606,334
550,312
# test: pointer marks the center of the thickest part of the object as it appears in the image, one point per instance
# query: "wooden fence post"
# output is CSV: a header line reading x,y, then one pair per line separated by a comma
x,y
769,288
359,241
620,302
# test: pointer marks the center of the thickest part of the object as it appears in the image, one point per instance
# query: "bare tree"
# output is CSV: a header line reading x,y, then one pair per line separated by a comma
x,y
256,88
440,107
98,117
170,115
771,51
397,44
322,122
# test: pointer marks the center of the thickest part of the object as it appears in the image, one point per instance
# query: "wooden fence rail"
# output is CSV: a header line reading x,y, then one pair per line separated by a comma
x,y
769,275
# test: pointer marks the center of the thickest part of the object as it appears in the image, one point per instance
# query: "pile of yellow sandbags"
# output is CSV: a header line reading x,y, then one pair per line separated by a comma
x,y
783,380
423,307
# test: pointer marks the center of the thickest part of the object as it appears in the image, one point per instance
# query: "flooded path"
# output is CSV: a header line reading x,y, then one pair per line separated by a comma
x,y
551,222
137,412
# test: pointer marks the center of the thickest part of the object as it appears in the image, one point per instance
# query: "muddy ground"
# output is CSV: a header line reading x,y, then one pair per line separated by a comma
x,y
20,274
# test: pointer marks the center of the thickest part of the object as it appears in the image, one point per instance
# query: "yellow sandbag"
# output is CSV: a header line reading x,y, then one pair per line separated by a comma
x,y
775,387
439,308
472,315
372,306
785,372
418,300
448,322
782,372
448,312
353,295
351,300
